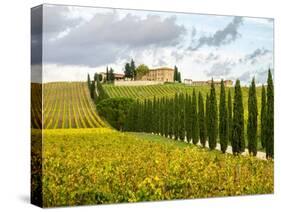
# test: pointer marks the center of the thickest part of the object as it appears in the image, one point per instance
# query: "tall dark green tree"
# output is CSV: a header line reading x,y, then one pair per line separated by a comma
x,y
252,125
270,117
186,117
179,77
89,81
111,75
175,73
107,74
176,117
229,113
93,90
170,118
181,117
223,120
133,69
207,118
238,140
128,71
201,120
162,130
263,117
213,118
195,127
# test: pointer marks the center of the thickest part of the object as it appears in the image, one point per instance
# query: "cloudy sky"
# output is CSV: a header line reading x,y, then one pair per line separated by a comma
x,y
81,40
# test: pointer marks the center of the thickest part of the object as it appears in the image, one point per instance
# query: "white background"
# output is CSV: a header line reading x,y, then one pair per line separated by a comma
x,y
14,103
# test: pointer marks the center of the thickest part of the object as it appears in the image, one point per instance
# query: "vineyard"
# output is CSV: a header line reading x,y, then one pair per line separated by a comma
x,y
96,166
65,105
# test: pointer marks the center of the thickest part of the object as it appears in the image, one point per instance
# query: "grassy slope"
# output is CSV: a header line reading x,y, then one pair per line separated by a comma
x,y
93,166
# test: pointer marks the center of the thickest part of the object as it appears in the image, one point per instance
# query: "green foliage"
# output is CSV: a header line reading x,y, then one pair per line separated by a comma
x,y
223,120
141,70
201,120
263,117
229,113
89,81
133,69
195,127
213,118
175,73
101,166
115,110
270,118
207,115
188,118
128,72
111,76
107,74
252,126
181,117
176,117
238,141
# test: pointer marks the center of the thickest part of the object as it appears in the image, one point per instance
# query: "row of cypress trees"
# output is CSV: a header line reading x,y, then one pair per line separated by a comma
x,y
187,117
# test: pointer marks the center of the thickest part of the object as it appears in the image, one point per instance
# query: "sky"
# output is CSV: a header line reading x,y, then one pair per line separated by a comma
x,y
81,40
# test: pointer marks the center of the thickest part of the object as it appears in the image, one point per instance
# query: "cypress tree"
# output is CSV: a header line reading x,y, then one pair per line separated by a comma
x,y
107,74
93,90
166,108
252,126
229,113
89,81
176,117
195,127
171,118
133,69
181,117
263,117
213,118
154,116
201,120
175,74
223,125
207,115
179,77
269,147
189,119
238,141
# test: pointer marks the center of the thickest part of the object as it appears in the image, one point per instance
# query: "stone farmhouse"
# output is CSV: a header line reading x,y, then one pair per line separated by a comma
x,y
162,74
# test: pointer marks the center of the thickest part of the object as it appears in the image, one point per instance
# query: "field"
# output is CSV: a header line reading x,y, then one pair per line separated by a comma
x,y
66,105
95,166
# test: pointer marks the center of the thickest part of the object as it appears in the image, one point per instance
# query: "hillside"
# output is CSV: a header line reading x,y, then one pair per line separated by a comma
x,y
66,105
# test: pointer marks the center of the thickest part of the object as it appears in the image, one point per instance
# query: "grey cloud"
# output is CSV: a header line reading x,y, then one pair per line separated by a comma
x,y
245,77
177,55
205,59
221,37
57,19
107,38
220,69
256,54
161,62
